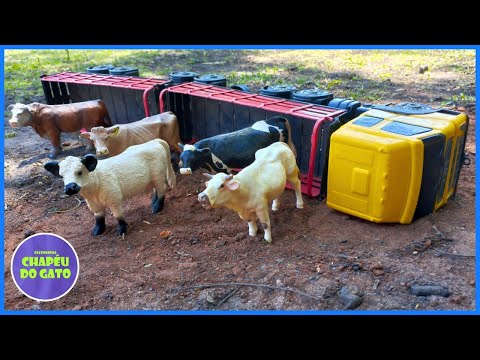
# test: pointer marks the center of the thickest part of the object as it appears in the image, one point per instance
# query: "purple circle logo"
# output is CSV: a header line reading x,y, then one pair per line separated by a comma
x,y
45,267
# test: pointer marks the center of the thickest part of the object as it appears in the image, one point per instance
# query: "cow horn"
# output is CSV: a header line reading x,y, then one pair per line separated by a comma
x,y
228,177
208,176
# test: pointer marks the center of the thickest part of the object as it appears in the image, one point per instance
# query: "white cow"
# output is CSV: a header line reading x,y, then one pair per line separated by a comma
x,y
116,139
251,190
107,183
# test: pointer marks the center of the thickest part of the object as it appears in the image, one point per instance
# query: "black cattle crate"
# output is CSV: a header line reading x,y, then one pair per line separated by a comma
x,y
127,98
216,110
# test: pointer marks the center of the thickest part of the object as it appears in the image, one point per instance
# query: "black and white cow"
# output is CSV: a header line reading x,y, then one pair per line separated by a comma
x,y
224,152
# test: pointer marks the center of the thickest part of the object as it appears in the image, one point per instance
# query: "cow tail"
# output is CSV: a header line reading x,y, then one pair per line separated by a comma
x,y
171,178
290,143
106,118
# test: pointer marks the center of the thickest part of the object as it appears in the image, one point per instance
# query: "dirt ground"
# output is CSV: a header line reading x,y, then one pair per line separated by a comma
x,y
315,251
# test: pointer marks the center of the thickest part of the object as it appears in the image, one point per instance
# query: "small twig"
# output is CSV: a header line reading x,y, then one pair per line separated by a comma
x,y
452,254
436,238
21,197
439,233
248,285
73,208
375,284
229,295
182,253
124,270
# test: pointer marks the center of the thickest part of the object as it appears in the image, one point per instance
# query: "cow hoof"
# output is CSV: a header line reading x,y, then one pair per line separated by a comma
x,y
299,206
54,153
268,241
122,227
97,230
99,226
157,204
251,233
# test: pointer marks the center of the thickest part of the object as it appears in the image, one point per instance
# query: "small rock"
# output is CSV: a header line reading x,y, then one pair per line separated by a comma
x,y
378,272
472,282
356,267
78,307
350,297
415,252
422,69
66,144
377,269
28,233
427,290
194,241
236,271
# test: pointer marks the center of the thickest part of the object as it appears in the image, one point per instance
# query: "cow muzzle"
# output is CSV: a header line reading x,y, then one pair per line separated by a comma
x,y
101,152
186,171
13,124
71,189
203,199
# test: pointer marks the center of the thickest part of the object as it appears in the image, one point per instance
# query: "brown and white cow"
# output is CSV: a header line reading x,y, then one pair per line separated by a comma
x,y
116,139
252,189
50,120
107,183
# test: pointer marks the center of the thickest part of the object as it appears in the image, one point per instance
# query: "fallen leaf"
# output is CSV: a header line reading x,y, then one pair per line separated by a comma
x,y
165,234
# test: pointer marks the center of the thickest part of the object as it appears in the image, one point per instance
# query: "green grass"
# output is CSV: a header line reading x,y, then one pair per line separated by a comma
x,y
9,135
365,75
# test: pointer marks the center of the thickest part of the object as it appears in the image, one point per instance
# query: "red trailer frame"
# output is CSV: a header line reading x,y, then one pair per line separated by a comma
x,y
319,114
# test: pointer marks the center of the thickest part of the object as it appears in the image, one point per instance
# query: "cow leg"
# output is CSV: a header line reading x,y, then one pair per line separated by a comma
x,y
252,226
54,136
117,212
297,185
264,218
90,146
276,204
158,197
99,223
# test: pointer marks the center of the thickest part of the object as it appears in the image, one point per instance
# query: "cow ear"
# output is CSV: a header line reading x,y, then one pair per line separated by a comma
x,y
205,151
10,107
85,135
53,167
113,131
90,162
233,185
181,146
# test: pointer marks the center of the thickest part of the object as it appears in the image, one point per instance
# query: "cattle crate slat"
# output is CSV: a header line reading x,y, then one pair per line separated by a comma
x,y
235,110
118,92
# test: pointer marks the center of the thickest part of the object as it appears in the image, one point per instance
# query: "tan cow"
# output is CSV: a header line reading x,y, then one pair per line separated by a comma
x,y
107,183
116,139
50,120
251,190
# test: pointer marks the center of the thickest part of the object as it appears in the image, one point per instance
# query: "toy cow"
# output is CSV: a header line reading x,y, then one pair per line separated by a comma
x,y
107,183
50,120
251,190
116,139
237,149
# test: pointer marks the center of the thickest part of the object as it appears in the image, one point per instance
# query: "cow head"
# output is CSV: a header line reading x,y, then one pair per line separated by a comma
x,y
74,171
219,190
101,137
192,158
21,115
